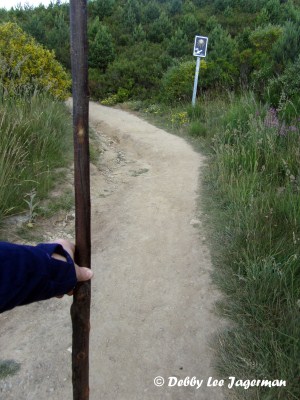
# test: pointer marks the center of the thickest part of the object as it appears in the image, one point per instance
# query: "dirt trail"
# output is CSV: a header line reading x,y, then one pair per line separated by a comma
x,y
152,298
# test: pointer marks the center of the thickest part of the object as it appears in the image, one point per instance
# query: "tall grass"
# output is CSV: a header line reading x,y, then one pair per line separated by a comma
x,y
254,179
35,139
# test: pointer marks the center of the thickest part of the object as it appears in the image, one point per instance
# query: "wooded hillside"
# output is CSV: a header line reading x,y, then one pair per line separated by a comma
x,y
136,46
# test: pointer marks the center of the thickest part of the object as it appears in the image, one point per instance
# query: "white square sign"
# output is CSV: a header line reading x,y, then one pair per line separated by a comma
x,y
200,46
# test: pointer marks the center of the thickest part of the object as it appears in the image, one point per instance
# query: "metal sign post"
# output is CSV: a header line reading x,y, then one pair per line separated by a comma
x,y
196,80
200,49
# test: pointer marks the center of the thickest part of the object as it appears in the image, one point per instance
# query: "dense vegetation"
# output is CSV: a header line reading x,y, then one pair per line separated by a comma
x,y
35,135
247,117
254,177
136,45
35,138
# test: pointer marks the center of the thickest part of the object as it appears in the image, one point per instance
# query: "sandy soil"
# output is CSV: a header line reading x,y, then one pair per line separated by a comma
x,y
152,298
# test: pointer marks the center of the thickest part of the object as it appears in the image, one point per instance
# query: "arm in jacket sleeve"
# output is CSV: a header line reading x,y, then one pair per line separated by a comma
x,y
30,273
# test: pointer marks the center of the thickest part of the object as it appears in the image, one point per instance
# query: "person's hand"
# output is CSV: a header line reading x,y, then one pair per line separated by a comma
x,y
82,273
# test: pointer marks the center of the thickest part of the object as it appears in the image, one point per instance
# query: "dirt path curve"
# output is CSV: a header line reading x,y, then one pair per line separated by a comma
x,y
152,298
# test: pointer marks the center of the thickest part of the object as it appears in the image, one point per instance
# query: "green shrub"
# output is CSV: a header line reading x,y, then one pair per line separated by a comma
x,y
101,49
139,71
121,96
177,83
178,44
286,87
101,8
160,29
151,12
263,38
288,44
26,66
219,74
98,85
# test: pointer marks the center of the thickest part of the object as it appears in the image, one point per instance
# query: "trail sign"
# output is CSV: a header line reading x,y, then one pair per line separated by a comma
x,y
200,46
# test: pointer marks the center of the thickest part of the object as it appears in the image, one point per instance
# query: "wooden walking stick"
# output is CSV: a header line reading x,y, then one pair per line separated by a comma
x,y
80,310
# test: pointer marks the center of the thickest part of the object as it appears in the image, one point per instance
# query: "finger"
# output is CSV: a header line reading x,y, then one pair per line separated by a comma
x,y
83,274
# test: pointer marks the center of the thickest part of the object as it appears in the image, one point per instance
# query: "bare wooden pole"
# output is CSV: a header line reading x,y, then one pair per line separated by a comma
x,y
80,310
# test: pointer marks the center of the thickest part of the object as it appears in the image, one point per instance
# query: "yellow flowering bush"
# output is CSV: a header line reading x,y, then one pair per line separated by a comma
x,y
110,101
26,66
179,118
119,97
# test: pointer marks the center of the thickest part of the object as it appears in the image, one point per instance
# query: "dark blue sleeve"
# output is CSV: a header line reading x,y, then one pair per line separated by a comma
x,y
29,273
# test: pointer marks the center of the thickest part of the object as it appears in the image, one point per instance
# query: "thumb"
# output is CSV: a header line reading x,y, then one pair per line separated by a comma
x,y
83,273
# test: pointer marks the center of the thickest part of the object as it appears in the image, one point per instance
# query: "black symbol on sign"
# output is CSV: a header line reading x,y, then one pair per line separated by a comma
x,y
200,47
